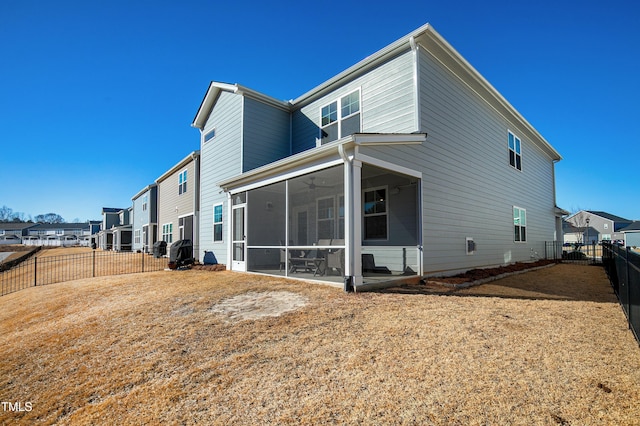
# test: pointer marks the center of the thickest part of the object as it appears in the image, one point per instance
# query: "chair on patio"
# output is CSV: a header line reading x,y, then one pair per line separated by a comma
x,y
335,261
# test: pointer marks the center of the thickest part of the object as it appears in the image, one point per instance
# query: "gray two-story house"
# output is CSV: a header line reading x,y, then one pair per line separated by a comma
x,y
145,218
178,202
590,226
409,162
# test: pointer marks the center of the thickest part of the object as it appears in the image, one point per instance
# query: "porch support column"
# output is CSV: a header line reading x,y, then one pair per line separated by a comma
x,y
357,224
353,226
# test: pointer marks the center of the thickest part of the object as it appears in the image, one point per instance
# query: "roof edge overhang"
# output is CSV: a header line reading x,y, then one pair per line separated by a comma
x,y
142,191
431,40
315,154
186,160
427,37
213,92
362,67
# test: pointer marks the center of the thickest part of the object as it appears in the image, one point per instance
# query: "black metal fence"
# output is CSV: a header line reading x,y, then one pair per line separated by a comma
x,y
574,252
43,270
623,268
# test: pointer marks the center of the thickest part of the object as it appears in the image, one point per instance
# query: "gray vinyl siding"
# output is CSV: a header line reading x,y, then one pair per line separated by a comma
x,y
265,133
469,188
172,205
387,103
221,158
140,218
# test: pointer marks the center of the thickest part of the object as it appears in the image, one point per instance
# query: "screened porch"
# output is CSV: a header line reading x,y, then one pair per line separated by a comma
x,y
303,226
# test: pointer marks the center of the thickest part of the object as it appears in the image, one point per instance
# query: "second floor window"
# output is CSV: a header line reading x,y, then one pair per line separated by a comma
x,y
340,118
515,151
182,183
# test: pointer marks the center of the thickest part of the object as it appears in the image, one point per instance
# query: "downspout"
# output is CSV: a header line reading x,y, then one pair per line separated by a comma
x,y
349,277
196,208
416,82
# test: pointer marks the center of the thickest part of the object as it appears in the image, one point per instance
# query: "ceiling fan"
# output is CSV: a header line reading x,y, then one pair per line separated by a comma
x,y
312,185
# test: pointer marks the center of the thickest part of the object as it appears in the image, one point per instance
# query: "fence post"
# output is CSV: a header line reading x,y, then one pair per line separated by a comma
x,y
627,280
93,262
35,271
142,257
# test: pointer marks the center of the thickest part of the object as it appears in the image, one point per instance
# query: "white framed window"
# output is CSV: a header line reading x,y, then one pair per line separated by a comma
x,y
325,214
145,203
376,208
519,224
340,118
167,233
136,236
217,223
59,231
182,183
515,151
209,135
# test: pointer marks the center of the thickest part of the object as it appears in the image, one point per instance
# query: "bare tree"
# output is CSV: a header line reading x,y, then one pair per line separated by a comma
x,y
49,218
6,214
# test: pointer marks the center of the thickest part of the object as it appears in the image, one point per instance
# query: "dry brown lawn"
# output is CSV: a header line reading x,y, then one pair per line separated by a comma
x,y
546,347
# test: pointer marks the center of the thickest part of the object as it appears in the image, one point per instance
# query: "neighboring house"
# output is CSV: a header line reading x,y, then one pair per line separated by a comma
x,y
179,202
110,220
122,233
632,234
145,218
12,232
587,227
57,234
409,162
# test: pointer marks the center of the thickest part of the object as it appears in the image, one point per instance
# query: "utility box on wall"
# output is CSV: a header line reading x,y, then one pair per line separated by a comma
x,y
471,245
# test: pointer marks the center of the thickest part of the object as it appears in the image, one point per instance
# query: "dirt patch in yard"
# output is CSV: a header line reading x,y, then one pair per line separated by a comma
x,y
254,305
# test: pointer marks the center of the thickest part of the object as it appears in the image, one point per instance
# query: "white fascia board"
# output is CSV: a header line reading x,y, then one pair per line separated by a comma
x,y
315,154
142,191
361,67
213,92
261,97
186,160
389,139
208,101
460,67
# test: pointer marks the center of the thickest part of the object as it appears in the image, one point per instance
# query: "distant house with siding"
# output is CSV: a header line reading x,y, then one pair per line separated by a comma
x,y
409,162
145,218
110,219
588,226
178,192
58,234
12,232
122,233
632,234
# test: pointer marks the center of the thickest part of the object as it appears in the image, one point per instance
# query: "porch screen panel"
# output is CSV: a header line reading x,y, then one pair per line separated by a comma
x,y
314,205
266,214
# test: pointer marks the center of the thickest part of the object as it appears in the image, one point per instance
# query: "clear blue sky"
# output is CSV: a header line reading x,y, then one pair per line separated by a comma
x,y
97,97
